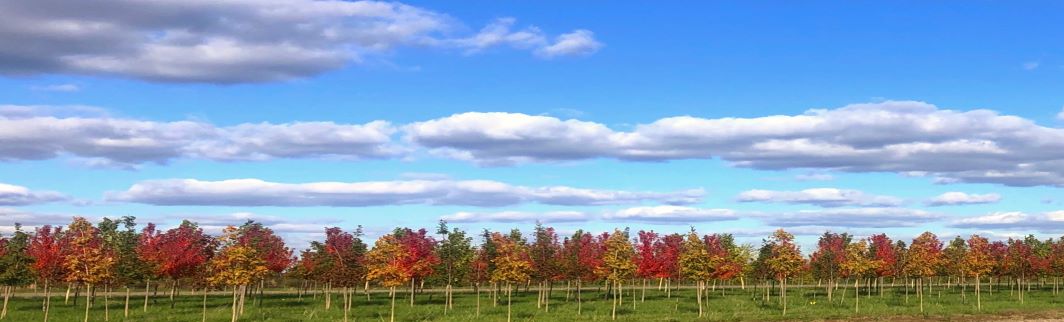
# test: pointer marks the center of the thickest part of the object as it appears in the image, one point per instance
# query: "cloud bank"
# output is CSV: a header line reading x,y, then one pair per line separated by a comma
x,y
483,193
239,41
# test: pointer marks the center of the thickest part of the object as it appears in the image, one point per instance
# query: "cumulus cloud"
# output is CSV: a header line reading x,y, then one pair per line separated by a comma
x,y
517,216
484,193
851,217
961,198
1060,116
577,43
905,137
12,195
1047,222
235,41
824,197
671,214
29,133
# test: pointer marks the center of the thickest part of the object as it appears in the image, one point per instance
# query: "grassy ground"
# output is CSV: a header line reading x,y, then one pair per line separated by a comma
x,y
734,304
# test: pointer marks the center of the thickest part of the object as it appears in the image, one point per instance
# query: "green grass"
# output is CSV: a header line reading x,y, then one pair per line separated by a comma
x,y
735,304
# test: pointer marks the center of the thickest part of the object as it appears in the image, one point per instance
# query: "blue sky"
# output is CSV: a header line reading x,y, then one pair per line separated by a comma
x,y
606,114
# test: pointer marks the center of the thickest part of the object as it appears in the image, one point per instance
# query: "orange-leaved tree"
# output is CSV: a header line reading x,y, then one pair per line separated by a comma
x,y
87,262
923,260
785,261
236,265
384,264
858,264
512,264
978,262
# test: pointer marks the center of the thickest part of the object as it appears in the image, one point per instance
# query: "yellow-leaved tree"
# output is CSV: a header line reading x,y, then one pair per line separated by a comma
x,y
236,265
858,264
512,265
696,264
88,262
617,264
384,264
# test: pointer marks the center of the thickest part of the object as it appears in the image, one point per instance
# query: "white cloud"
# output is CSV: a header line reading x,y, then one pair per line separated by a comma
x,y
1047,222
12,195
824,197
671,214
1060,116
577,43
26,134
232,41
484,193
851,217
961,198
64,88
517,216
978,146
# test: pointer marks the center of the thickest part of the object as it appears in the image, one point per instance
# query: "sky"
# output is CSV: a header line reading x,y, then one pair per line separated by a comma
x,y
739,118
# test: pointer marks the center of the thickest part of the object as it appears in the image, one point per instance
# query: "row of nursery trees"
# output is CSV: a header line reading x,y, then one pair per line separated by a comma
x,y
115,257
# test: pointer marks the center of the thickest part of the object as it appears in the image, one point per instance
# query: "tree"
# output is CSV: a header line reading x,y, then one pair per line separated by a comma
x,y
268,246
87,262
512,265
345,255
668,251
924,258
617,265
696,264
456,253
15,264
977,263
387,263
785,261
545,265
236,265
48,248
582,256
883,252
858,264
420,255
826,262
129,268
648,265
953,260
175,254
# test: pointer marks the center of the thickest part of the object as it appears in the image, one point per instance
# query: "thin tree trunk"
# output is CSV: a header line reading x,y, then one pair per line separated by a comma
x,y
47,300
412,292
7,295
509,296
392,319
88,291
616,294
205,289
147,290
127,302
579,301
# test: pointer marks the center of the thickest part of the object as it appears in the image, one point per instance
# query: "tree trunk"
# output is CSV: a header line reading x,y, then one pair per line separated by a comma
x,y
392,319
857,296
127,302
509,295
643,297
579,301
233,310
698,296
478,299
173,290
411,292
47,300
107,303
147,290
88,290
616,294
205,289
7,295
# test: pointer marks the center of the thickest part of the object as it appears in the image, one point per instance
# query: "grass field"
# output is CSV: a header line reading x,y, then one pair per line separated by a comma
x,y
734,304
